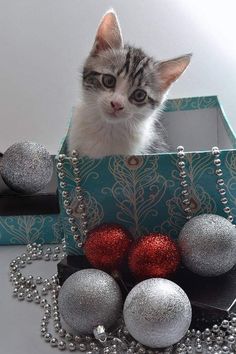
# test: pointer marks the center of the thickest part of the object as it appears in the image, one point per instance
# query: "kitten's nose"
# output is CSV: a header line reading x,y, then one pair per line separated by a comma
x,y
117,106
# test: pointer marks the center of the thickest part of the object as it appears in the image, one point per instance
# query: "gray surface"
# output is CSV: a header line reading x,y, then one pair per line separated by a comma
x,y
20,321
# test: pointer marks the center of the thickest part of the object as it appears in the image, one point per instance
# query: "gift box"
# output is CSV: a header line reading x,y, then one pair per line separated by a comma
x,y
30,218
143,192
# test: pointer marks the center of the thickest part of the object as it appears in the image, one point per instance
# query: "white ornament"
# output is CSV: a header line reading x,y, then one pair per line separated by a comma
x,y
208,245
157,313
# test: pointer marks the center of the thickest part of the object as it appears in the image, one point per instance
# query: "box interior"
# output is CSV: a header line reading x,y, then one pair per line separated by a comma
x,y
198,129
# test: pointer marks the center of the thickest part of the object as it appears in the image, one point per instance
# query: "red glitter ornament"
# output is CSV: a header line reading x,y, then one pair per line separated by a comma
x,y
107,246
154,255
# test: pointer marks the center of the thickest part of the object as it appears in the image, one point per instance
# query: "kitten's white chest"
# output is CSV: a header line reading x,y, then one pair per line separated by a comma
x,y
96,138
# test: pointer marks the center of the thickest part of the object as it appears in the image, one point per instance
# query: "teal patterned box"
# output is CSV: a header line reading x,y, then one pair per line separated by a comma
x,y
30,218
143,192
24,229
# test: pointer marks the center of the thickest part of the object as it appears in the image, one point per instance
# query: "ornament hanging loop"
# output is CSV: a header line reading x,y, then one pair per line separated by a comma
x,y
99,333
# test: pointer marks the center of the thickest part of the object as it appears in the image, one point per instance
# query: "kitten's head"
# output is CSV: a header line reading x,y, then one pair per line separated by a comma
x,y
121,82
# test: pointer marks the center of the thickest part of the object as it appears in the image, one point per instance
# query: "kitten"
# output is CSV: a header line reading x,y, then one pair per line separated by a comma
x,y
123,92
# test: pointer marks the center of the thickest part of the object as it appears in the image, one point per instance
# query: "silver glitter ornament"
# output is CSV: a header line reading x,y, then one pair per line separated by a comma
x,y
157,313
89,298
208,245
26,167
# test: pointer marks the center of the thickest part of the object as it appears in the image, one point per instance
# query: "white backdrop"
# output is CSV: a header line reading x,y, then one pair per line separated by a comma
x,y
43,44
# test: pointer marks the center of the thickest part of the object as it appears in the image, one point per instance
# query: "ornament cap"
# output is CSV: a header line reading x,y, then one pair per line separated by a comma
x,y
100,333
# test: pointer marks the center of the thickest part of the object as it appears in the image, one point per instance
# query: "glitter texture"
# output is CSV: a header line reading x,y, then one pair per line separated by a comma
x,y
26,167
208,245
152,256
89,298
107,246
157,313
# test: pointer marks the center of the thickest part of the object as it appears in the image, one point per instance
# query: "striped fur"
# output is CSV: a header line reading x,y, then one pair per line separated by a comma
x,y
132,64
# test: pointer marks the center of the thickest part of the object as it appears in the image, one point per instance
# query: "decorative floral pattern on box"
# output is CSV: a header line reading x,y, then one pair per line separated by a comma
x,y
143,192
30,228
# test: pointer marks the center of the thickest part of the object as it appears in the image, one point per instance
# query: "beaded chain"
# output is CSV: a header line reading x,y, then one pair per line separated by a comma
x,y
186,204
44,292
220,183
79,196
183,182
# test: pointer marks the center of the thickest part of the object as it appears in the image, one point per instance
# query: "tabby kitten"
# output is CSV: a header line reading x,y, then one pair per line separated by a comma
x,y
123,91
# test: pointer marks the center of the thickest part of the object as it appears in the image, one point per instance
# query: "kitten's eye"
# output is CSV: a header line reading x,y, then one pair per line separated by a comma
x,y
139,95
108,80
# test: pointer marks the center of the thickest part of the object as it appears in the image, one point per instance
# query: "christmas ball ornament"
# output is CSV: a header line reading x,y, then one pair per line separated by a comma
x,y
157,313
208,245
107,245
154,255
90,298
26,167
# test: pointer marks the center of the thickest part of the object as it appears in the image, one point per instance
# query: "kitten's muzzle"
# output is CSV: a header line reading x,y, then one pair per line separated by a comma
x,y
117,106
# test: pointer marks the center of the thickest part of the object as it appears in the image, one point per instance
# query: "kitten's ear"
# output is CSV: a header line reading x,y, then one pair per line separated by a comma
x,y
108,34
170,70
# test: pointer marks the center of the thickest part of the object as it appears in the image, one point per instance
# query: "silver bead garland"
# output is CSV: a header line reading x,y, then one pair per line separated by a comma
x,y
186,204
79,239
220,183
